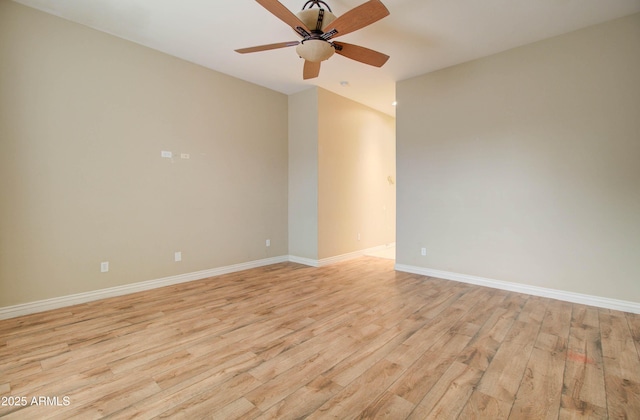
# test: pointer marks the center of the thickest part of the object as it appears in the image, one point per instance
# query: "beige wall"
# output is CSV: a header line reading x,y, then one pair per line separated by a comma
x,y
340,156
83,118
303,174
525,166
356,155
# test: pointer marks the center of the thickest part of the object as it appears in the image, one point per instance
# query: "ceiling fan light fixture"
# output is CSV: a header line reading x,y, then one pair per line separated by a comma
x,y
317,26
315,50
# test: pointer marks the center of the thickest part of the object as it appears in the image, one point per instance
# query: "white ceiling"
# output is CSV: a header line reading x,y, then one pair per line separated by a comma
x,y
419,35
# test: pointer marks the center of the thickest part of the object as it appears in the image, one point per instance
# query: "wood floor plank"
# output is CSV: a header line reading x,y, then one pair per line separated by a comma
x,y
542,382
355,398
48,382
505,372
4,388
387,406
239,409
544,374
360,361
498,320
303,401
174,400
634,327
421,376
533,310
114,401
584,393
621,365
449,395
482,406
210,401
350,340
412,348
484,306
298,374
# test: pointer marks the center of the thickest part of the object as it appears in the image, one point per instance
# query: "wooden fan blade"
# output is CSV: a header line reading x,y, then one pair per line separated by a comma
x,y
357,18
281,12
361,54
311,69
267,47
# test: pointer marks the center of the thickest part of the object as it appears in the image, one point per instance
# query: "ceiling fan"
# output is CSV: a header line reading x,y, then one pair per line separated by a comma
x,y
318,26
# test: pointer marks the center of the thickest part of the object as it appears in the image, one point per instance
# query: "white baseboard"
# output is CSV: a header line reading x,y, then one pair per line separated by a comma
x,y
600,302
63,301
304,261
338,258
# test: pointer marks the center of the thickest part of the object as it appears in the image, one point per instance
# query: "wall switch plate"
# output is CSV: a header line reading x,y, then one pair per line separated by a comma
x,y
166,154
177,256
104,266
268,242
423,251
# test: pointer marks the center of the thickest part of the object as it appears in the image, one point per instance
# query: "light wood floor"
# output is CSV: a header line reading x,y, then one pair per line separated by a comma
x,y
352,340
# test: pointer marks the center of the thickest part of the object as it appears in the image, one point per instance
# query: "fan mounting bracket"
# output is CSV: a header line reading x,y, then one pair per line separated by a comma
x,y
317,3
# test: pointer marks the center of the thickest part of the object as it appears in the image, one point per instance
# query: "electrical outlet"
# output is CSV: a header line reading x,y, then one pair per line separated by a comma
x,y
268,243
423,251
104,266
166,154
177,256
358,235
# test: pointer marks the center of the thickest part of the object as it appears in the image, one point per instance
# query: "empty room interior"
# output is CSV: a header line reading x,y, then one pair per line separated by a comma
x,y
191,234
